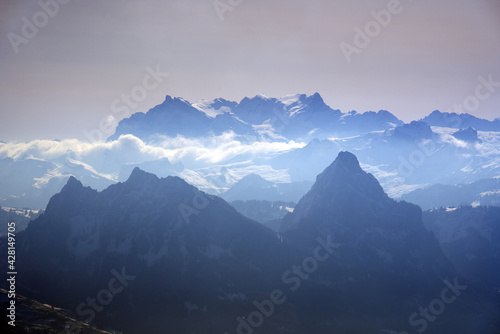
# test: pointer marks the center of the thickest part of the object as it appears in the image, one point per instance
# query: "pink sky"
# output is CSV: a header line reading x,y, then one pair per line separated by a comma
x,y
428,56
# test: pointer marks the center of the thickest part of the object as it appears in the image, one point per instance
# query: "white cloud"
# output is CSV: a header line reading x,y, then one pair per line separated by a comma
x,y
454,141
108,157
219,149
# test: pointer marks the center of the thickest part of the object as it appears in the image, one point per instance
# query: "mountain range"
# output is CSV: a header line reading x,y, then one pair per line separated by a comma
x,y
293,117
484,192
158,255
186,262
21,216
461,121
215,144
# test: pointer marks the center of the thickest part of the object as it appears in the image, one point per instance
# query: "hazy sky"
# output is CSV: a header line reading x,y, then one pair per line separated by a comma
x,y
66,74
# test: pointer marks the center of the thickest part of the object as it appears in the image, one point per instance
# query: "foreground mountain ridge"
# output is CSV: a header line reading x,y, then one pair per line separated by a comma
x,y
188,262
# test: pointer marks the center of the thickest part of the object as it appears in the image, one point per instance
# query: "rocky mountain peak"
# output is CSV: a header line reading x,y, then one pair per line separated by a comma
x,y
468,135
345,176
72,184
347,195
138,176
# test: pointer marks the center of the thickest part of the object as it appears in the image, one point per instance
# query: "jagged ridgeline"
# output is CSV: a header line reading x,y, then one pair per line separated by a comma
x,y
153,255
292,116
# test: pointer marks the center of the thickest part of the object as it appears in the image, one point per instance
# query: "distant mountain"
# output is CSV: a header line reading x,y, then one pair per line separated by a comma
x,y
269,214
293,117
482,192
175,116
470,238
462,121
30,182
21,216
215,107
306,163
468,135
254,187
160,167
415,155
415,131
354,123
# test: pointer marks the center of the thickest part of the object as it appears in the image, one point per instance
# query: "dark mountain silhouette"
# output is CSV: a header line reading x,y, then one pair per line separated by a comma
x,y
35,317
194,258
382,251
153,255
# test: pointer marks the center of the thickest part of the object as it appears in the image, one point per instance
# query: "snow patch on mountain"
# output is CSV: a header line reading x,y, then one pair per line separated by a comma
x,y
292,104
208,108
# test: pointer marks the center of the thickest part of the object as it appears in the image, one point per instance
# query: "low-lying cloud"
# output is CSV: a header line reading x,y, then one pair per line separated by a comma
x,y
108,157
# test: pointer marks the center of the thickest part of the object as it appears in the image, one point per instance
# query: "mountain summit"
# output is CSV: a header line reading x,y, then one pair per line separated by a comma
x,y
192,256
382,256
345,194
291,117
188,262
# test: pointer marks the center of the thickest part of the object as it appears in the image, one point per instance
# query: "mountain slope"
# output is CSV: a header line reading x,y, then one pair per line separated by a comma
x,y
470,238
22,217
384,259
293,117
154,255
192,256
34,317
462,121
483,192
30,182
174,116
